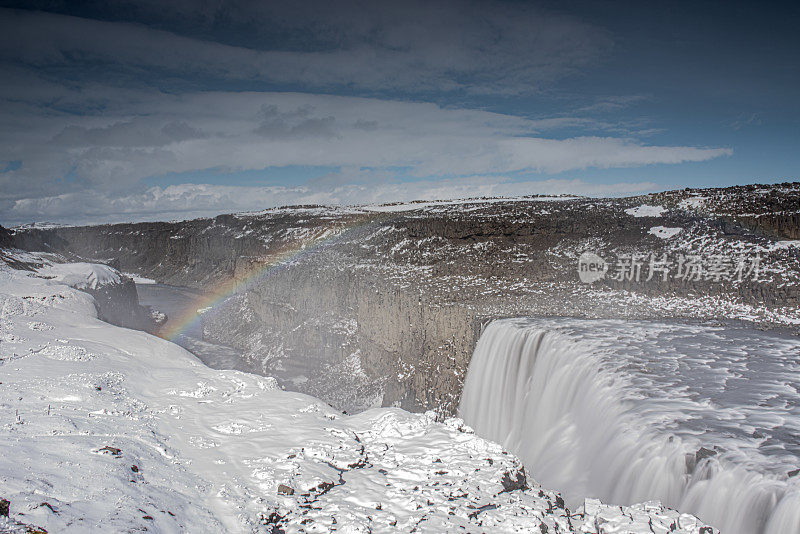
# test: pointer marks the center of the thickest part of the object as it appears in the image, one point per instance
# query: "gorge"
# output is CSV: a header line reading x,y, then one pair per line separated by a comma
x,y
410,306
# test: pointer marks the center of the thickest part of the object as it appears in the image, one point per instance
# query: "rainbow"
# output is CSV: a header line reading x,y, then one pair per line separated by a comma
x,y
260,271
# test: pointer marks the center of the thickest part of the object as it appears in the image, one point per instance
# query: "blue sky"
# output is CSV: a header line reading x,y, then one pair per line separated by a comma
x,y
121,110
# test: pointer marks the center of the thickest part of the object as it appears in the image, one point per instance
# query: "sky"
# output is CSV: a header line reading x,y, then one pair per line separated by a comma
x,y
121,110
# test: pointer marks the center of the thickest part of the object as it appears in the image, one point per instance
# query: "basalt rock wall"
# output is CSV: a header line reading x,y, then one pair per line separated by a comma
x,y
361,307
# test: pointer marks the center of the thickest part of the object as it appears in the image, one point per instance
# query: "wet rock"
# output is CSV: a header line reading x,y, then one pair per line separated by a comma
x,y
703,453
283,489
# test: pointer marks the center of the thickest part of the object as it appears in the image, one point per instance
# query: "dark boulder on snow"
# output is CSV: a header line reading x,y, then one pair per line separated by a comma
x,y
514,481
283,489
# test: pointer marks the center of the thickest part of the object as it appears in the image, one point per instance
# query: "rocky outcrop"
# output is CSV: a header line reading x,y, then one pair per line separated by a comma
x,y
115,295
118,304
786,225
6,238
772,210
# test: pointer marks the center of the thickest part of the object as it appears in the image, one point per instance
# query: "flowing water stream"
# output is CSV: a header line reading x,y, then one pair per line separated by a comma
x,y
704,418
176,302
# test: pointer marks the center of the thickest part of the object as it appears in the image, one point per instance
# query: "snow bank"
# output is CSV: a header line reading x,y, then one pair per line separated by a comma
x,y
646,211
140,279
692,203
109,429
664,232
83,275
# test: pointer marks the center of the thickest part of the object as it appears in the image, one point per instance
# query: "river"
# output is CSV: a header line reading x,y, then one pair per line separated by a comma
x,y
176,302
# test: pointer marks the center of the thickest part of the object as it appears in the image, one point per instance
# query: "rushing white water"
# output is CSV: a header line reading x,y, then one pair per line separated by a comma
x,y
705,419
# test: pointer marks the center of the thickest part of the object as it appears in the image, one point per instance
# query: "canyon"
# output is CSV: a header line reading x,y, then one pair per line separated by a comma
x,y
383,305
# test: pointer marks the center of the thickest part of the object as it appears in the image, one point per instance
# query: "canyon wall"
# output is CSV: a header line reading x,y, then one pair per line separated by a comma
x,y
384,306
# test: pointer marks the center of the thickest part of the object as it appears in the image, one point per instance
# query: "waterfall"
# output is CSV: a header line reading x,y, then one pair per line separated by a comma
x,y
553,402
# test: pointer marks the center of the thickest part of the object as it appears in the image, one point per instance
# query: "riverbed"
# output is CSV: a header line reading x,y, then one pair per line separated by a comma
x,y
177,303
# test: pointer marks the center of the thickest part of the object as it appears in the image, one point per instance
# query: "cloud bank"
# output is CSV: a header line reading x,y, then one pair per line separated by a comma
x,y
410,46
188,201
143,109
157,135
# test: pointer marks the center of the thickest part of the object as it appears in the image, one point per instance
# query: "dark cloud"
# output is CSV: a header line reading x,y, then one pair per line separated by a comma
x,y
367,126
140,132
293,124
413,46
99,98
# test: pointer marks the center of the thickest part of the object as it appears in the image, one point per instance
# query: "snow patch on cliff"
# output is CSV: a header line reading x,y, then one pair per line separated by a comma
x,y
646,211
664,232
83,275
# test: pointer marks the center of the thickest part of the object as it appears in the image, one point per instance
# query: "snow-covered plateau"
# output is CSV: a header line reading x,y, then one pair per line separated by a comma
x,y
106,429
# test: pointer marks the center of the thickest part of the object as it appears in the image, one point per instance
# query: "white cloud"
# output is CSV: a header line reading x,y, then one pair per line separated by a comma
x,y
156,134
90,146
188,201
104,156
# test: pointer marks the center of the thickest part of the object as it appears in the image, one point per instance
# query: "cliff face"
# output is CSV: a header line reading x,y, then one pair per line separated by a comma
x,y
115,296
6,238
364,307
772,210
118,304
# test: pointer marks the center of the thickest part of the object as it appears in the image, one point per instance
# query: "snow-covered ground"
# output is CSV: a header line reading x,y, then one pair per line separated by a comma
x,y
82,275
114,430
646,211
664,232
450,204
140,280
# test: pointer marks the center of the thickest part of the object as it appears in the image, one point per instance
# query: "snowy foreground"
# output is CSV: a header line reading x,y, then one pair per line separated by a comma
x,y
114,430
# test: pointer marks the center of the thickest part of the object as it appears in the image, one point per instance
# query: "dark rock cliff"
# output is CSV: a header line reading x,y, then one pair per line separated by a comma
x,y
118,304
6,238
